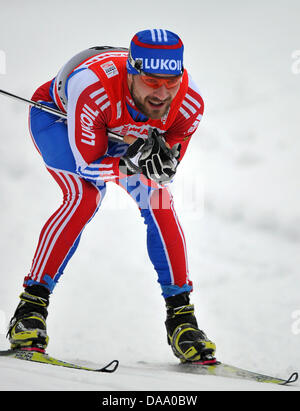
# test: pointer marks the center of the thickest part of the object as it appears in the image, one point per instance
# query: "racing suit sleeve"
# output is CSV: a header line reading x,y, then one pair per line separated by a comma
x,y
89,111
187,119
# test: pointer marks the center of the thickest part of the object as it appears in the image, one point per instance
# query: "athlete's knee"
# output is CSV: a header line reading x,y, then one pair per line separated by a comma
x,y
160,199
89,198
93,196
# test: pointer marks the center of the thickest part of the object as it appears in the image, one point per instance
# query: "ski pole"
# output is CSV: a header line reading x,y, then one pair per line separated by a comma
x,y
35,104
51,110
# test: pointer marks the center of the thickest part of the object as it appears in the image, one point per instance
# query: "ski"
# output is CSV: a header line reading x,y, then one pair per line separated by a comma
x,y
44,358
216,369
226,370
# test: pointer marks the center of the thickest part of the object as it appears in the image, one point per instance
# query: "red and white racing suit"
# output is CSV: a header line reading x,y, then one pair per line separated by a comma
x,y
93,91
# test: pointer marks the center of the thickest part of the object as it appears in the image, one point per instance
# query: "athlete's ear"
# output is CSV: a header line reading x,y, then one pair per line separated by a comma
x,y
129,79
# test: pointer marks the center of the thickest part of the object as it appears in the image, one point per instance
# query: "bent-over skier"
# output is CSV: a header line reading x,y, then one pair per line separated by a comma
x,y
145,95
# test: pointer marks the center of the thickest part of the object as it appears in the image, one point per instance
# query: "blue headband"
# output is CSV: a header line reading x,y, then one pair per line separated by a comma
x,y
155,51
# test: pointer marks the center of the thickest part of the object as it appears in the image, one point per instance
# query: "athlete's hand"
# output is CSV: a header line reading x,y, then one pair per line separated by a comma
x,y
131,139
129,162
157,161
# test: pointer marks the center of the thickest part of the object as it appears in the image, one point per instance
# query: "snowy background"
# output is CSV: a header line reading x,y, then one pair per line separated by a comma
x,y
237,194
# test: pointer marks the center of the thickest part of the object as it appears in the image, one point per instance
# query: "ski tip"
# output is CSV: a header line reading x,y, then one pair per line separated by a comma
x,y
111,367
293,378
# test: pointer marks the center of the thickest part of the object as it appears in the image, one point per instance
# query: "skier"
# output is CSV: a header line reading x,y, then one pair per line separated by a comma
x,y
146,96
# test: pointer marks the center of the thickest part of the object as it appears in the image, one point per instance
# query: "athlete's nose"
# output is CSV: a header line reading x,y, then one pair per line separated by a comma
x,y
162,92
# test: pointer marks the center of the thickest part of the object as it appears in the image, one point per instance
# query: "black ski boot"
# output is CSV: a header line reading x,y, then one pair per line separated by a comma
x,y
187,341
27,329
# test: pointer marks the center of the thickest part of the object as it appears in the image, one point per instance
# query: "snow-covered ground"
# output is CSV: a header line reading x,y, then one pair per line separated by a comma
x,y
236,193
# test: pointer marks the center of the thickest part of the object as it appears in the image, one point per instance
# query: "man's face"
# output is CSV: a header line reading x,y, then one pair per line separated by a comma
x,y
153,103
